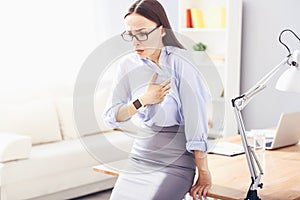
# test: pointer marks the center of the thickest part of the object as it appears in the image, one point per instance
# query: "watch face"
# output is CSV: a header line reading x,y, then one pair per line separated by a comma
x,y
137,104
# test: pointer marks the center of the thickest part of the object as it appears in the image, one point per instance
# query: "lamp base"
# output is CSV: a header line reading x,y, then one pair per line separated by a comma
x,y
252,195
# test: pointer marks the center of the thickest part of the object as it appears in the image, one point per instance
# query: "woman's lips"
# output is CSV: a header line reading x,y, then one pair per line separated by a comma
x,y
139,51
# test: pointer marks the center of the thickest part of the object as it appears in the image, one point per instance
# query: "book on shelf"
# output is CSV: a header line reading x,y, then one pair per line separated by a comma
x,y
189,23
212,17
197,18
215,17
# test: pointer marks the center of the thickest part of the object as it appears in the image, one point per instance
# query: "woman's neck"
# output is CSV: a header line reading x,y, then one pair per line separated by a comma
x,y
155,56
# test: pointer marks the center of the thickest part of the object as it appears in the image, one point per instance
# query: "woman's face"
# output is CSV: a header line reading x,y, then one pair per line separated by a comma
x,y
138,25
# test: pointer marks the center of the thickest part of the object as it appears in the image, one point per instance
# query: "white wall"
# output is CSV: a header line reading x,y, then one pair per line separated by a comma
x,y
171,8
262,23
109,17
43,43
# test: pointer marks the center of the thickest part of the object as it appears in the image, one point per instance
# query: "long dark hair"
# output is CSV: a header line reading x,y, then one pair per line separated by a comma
x,y
153,10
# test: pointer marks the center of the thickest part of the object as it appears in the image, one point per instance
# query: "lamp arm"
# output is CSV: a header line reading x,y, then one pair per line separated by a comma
x,y
245,98
250,156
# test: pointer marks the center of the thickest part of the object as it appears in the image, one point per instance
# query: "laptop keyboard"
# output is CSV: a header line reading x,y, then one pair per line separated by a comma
x,y
268,144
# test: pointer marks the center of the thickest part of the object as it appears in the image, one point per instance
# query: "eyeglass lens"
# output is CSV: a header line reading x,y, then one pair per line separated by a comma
x,y
139,36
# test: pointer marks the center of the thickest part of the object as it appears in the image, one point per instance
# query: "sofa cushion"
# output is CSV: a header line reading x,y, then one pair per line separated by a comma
x,y
67,120
37,119
65,156
65,109
14,146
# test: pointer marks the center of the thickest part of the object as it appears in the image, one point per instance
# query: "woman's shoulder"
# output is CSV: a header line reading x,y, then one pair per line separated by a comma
x,y
172,50
181,55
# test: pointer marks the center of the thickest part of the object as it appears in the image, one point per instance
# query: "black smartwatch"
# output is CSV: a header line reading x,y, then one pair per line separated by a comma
x,y
137,104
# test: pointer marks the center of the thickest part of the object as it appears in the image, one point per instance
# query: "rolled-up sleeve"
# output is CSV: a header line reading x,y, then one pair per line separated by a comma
x,y
120,95
194,99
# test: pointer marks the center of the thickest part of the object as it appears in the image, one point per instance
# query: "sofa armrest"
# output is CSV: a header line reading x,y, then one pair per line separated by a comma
x,y
14,147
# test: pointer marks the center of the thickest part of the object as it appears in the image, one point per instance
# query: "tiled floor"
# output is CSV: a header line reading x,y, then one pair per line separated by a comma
x,y
104,195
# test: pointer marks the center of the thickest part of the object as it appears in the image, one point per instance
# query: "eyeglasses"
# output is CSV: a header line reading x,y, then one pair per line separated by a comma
x,y
127,36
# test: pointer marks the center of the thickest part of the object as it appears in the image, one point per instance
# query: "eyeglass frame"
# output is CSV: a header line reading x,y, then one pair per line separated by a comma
x,y
134,36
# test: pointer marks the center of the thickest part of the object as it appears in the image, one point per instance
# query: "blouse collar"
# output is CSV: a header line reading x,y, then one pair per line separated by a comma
x,y
165,51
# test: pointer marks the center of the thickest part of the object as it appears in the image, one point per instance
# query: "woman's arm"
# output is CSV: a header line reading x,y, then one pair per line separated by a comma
x,y
125,112
203,183
154,94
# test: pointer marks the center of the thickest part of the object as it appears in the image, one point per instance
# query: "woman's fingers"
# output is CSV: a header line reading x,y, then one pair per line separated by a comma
x,y
194,191
156,92
165,83
153,78
198,191
166,88
205,191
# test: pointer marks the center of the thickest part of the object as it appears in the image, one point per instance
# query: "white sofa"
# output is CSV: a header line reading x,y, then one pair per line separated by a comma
x,y
43,157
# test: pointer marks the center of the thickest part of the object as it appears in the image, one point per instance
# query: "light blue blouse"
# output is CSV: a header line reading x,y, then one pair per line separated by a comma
x,y
184,105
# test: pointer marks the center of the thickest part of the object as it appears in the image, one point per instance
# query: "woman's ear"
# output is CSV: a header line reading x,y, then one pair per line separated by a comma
x,y
163,32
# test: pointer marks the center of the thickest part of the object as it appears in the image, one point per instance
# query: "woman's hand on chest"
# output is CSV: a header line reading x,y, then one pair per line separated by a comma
x,y
155,93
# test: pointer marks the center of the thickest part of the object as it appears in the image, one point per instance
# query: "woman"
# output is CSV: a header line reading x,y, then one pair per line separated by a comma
x,y
158,85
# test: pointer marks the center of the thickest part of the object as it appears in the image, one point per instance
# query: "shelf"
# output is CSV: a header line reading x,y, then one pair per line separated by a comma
x,y
223,49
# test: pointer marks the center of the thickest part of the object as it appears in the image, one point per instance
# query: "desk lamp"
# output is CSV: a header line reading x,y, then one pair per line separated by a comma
x,y
288,81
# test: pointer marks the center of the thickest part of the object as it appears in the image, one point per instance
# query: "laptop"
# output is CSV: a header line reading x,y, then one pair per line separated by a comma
x,y
286,133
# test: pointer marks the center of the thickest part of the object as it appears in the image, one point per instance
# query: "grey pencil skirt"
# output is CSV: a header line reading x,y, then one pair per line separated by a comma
x,y
159,167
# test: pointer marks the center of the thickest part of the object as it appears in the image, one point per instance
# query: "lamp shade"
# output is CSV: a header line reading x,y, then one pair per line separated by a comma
x,y
290,80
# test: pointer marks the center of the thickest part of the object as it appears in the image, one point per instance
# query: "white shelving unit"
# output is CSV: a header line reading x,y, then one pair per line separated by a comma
x,y
224,49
